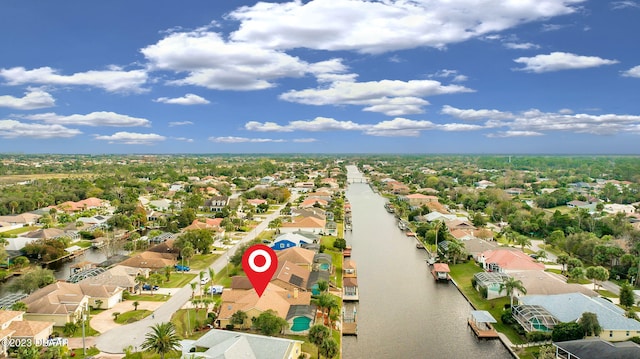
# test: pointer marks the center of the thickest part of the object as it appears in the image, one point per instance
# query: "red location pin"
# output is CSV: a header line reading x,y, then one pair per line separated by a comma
x,y
259,262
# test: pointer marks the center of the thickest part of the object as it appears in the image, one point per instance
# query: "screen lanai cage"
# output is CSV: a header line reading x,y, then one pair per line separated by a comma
x,y
534,318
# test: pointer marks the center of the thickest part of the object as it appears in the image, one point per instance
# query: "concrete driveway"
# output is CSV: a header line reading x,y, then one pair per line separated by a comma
x,y
103,322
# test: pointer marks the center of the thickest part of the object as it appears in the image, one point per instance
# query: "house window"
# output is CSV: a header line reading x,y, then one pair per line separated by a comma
x,y
281,245
610,333
627,333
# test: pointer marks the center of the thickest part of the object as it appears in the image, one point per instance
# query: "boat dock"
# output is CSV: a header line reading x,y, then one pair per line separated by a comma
x,y
480,323
349,321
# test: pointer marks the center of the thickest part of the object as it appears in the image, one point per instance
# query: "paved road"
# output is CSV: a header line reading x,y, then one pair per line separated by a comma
x,y
114,341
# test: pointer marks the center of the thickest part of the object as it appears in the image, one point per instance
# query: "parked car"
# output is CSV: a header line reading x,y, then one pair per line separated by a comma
x,y
205,280
216,289
181,268
149,287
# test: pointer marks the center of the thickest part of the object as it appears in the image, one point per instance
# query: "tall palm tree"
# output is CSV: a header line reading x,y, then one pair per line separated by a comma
x,y
510,285
162,339
193,288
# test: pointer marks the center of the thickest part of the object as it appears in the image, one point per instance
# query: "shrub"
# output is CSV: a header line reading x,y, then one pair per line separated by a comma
x,y
533,337
507,318
484,292
474,281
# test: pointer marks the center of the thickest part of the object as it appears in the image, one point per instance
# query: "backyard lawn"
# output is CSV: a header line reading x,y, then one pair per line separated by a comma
x,y
462,274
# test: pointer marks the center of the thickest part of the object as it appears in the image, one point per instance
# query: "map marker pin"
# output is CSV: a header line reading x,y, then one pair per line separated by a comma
x,y
259,262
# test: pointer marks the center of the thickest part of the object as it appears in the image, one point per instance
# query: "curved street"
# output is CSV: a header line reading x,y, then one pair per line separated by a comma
x,y
115,340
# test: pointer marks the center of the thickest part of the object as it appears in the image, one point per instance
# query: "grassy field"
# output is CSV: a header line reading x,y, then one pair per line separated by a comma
x,y
132,316
462,274
20,230
202,261
179,280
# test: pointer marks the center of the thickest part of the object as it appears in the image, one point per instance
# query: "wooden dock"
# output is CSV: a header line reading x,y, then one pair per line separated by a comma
x,y
487,333
350,328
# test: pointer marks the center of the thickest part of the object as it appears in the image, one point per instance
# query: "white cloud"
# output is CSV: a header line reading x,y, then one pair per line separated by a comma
x,y
557,61
16,129
454,75
188,99
391,97
180,123
632,72
316,125
95,119
213,63
520,46
381,26
132,138
231,139
184,139
552,27
475,115
504,134
112,80
305,140
621,5
399,127
32,100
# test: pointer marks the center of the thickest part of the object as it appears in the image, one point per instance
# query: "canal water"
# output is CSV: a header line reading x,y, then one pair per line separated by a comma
x,y
402,312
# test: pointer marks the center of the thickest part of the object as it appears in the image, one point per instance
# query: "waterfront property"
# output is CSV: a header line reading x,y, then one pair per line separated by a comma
x,y
542,312
226,344
480,322
596,348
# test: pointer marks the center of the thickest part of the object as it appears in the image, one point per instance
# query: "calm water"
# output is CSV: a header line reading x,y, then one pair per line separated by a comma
x,y
402,312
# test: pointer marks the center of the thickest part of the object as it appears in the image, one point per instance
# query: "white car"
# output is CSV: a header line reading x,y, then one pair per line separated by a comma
x,y
205,280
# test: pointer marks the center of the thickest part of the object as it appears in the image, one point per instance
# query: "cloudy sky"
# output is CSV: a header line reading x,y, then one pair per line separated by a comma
x,y
320,76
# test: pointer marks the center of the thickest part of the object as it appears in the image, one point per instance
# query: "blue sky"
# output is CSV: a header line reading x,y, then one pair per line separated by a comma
x,y
320,76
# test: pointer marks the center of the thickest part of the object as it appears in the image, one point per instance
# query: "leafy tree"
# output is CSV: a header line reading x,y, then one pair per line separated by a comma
x,y
576,273
597,274
20,261
547,352
589,323
627,298
269,323
167,272
19,306
238,318
567,331
32,280
29,352
70,329
162,339
510,285
98,303
563,259
187,253
317,334
329,348
340,243
200,239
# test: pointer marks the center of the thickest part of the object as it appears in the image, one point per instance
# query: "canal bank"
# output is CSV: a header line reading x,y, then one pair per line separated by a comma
x,y
402,311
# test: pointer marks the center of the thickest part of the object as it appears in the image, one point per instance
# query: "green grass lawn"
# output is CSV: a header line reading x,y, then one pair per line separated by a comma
x,y
90,352
462,274
149,355
179,280
88,331
202,261
132,316
83,244
19,231
179,319
146,297
608,294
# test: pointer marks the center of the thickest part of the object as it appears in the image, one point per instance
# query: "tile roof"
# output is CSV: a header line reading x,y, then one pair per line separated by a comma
x,y
291,273
29,328
227,344
9,315
511,259
307,222
274,297
296,255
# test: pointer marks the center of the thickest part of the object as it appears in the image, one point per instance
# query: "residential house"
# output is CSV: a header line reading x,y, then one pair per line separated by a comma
x,y
274,298
596,348
313,202
507,260
218,344
216,203
18,220
289,240
161,205
307,224
543,312
323,262
63,302
331,228
398,188
299,256
459,224
290,276
256,202
419,199
484,184
314,212
13,326
437,216
120,276
151,260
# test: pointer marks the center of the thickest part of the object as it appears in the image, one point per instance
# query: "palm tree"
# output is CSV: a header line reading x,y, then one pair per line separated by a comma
x,y
317,335
329,348
162,339
139,280
511,284
135,305
201,277
193,289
